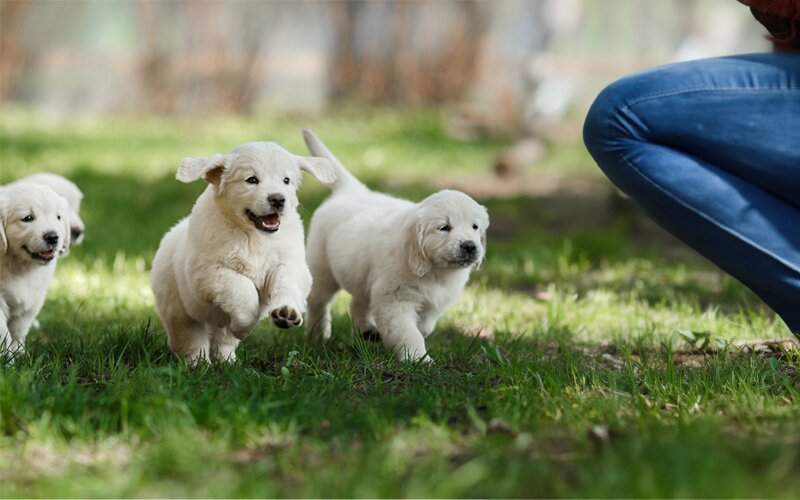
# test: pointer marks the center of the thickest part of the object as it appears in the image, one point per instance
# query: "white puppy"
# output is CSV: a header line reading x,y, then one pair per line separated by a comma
x,y
403,263
70,192
34,231
239,256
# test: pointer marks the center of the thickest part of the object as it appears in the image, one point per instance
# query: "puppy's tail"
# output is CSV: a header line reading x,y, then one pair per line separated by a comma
x,y
344,179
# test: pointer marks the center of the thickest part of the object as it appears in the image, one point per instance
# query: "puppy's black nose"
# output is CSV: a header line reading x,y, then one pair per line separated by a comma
x,y
276,200
469,247
76,233
50,237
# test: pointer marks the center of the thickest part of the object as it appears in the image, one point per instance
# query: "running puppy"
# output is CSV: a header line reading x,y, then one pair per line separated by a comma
x,y
34,231
239,256
402,262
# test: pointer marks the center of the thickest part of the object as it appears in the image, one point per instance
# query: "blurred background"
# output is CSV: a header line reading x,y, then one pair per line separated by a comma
x,y
500,65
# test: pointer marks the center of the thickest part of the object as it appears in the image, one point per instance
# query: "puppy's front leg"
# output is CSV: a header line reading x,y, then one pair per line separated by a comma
x,y
427,322
397,325
223,344
5,333
237,296
17,331
286,291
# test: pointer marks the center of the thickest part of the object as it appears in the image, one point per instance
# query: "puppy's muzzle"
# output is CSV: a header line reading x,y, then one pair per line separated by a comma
x,y
48,253
468,248
277,201
271,222
51,238
467,254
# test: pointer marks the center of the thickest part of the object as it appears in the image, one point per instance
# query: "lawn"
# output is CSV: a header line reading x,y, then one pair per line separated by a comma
x,y
591,356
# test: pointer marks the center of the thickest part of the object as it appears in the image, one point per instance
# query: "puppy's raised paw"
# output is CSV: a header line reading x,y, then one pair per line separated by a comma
x,y
286,317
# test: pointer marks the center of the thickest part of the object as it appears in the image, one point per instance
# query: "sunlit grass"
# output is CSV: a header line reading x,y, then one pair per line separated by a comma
x,y
591,355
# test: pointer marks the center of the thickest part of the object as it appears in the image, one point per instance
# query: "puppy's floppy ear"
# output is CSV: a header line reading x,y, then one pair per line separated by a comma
x,y
208,167
65,223
321,168
75,218
3,239
478,264
485,224
418,261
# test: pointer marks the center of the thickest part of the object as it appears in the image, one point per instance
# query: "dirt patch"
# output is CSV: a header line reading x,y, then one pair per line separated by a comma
x,y
540,186
610,356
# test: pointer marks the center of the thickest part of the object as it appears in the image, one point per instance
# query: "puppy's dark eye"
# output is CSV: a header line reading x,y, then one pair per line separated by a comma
x,y
286,180
446,228
252,180
475,227
58,217
28,218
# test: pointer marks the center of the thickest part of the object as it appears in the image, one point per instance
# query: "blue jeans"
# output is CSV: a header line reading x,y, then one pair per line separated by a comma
x,y
711,151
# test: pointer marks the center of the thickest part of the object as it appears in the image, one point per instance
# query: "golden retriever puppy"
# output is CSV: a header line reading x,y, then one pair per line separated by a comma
x,y
239,256
402,262
70,192
34,231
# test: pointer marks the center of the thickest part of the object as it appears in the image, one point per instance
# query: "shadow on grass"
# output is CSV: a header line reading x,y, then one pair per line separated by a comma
x,y
124,379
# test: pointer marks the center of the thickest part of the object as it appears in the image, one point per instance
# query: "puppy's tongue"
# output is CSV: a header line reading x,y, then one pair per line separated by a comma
x,y
270,222
46,254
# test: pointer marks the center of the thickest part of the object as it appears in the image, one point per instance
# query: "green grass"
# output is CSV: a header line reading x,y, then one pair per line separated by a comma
x,y
590,378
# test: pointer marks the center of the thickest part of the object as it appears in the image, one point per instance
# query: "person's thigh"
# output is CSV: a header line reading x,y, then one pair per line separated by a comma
x,y
740,113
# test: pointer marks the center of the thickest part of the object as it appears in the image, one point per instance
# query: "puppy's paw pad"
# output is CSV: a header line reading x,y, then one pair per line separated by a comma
x,y
286,317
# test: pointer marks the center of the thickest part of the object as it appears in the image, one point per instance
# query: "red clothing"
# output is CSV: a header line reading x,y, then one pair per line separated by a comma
x,y
783,8
782,20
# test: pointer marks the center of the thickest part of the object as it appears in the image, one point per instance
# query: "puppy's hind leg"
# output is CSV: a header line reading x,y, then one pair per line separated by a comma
x,y
188,338
359,311
185,336
318,318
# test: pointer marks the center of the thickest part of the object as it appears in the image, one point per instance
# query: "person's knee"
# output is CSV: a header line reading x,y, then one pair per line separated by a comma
x,y
600,130
615,114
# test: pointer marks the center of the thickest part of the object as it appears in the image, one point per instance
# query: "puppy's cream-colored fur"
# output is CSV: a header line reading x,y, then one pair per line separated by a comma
x,y
239,256
70,192
34,231
402,262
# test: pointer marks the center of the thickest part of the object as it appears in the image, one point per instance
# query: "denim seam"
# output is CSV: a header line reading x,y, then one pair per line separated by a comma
x,y
709,219
671,93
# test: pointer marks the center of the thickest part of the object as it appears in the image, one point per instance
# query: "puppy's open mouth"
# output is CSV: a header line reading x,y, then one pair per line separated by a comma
x,y
268,223
45,256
